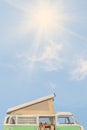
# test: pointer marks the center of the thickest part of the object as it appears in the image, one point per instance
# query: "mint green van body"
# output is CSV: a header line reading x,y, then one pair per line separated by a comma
x,y
58,121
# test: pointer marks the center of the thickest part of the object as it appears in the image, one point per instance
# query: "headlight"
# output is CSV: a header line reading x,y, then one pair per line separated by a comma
x,y
81,128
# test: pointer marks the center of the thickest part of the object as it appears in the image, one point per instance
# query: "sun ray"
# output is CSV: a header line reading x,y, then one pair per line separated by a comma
x,y
37,41
43,17
64,29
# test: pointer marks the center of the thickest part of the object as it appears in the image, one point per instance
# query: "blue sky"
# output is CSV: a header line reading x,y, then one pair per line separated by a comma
x,y
43,49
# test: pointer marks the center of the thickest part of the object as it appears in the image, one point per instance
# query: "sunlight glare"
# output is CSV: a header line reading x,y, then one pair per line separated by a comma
x,y
45,17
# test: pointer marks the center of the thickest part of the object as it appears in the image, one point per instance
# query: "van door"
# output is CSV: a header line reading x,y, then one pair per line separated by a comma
x,y
46,123
66,123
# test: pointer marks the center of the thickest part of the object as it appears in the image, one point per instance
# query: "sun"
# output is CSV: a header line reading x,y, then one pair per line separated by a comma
x,y
44,17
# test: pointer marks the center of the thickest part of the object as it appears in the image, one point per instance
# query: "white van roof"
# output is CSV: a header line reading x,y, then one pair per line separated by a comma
x,y
64,113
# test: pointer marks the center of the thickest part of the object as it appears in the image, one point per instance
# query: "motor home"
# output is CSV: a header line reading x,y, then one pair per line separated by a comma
x,y
39,115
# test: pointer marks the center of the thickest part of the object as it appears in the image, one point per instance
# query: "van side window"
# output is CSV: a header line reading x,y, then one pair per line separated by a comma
x,y
7,120
26,120
48,120
12,120
65,120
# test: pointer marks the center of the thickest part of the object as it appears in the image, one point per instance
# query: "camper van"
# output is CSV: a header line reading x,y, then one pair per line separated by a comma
x,y
59,121
39,115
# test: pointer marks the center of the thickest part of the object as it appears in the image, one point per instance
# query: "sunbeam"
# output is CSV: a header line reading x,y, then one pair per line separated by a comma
x,y
42,17
77,35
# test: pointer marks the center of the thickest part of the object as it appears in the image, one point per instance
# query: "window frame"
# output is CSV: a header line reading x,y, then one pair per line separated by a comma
x,y
16,120
30,124
62,116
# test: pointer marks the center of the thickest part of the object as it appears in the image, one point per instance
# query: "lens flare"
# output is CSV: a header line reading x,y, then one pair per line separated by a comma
x,y
44,17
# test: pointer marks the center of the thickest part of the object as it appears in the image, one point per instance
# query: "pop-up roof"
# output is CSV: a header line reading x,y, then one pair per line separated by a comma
x,y
40,106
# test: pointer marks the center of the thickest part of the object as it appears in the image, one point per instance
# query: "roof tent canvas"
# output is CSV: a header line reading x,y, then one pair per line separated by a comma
x,y
40,106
